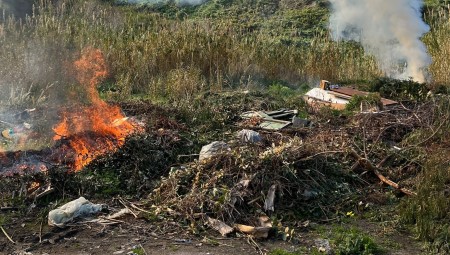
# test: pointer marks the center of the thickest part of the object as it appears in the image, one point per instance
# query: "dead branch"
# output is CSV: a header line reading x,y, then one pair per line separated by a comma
x,y
40,230
434,133
8,208
139,209
366,164
6,234
49,190
124,204
319,154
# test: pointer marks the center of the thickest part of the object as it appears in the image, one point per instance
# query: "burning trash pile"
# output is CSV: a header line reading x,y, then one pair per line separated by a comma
x,y
84,131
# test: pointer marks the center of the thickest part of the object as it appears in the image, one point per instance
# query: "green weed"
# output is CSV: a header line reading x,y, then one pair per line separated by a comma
x,y
280,90
372,99
399,89
353,242
138,251
284,252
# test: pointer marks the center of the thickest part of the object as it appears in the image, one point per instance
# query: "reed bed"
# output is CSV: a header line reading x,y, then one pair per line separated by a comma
x,y
151,54
171,56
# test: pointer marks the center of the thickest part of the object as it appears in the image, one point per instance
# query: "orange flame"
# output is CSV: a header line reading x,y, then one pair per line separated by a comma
x,y
94,130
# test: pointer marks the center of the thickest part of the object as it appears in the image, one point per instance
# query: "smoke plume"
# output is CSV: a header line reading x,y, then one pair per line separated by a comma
x,y
180,2
389,30
18,8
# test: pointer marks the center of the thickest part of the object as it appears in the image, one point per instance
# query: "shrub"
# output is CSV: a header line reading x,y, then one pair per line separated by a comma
x,y
372,99
399,89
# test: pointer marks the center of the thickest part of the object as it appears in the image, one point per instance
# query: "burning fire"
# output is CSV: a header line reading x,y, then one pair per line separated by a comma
x,y
87,132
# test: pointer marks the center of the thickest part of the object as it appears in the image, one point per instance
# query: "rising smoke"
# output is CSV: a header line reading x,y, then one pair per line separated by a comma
x,y
18,8
180,2
389,30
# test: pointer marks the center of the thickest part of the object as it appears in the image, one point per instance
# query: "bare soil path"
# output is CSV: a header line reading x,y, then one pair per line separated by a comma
x,y
141,237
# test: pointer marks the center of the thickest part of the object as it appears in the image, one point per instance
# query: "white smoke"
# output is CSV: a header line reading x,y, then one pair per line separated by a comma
x,y
180,2
389,30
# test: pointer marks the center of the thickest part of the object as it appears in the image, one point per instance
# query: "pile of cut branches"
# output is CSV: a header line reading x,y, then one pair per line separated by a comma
x,y
314,176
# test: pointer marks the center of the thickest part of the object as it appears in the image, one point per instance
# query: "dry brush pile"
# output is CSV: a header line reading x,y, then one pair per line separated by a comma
x,y
316,173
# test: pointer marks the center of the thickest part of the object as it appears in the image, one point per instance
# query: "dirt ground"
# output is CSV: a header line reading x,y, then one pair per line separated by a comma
x,y
142,237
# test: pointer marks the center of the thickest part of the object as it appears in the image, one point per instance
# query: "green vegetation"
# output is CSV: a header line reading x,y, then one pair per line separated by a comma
x,y
353,242
372,100
138,251
159,56
169,51
284,252
407,90
428,212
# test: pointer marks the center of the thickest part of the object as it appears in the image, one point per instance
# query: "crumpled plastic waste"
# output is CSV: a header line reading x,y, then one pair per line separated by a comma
x,y
249,136
74,209
212,149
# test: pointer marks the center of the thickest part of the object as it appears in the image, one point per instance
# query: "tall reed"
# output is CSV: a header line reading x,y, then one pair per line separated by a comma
x,y
146,50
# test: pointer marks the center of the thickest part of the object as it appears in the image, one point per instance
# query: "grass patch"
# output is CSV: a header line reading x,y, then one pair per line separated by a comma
x,y
428,212
285,252
353,242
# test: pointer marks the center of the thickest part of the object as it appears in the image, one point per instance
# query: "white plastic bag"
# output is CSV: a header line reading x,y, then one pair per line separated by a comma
x,y
68,212
212,149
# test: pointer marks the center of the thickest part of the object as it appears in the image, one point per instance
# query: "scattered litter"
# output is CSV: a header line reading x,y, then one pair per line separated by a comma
x,y
268,204
272,120
213,149
7,133
184,241
240,189
299,122
24,115
220,226
16,132
323,245
265,221
74,209
249,136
